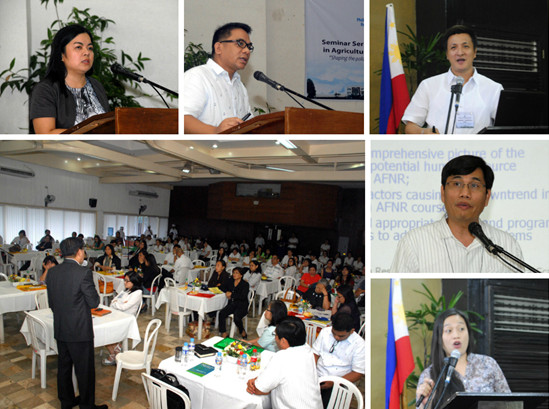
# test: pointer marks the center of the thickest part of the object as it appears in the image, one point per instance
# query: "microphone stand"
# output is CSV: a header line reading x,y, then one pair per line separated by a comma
x,y
153,84
282,88
497,250
440,376
453,90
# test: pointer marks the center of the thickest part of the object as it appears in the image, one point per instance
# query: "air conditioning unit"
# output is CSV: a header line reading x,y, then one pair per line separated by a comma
x,y
16,172
141,193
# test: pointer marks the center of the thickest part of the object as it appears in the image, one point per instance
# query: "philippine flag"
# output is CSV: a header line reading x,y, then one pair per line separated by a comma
x,y
394,96
400,361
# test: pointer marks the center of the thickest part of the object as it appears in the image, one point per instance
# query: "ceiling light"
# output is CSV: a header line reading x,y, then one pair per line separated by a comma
x,y
281,169
79,158
287,144
150,171
66,161
191,147
186,168
214,146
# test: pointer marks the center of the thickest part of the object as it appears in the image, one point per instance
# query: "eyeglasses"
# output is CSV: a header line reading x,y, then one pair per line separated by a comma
x,y
333,346
126,280
458,185
241,43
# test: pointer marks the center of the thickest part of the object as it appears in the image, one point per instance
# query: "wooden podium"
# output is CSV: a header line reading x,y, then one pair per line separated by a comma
x,y
520,400
130,121
302,121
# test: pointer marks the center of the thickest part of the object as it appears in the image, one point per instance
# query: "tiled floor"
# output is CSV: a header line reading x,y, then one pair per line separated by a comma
x,y
19,390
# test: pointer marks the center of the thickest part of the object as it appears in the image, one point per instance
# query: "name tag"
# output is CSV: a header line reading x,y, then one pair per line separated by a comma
x,y
465,120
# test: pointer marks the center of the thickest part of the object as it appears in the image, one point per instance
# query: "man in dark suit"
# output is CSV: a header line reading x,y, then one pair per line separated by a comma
x,y
71,295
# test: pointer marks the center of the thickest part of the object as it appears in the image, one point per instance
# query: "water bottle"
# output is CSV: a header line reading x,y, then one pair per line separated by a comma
x,y
218,363
255,361
191,349
300,309
243,366
185,353
238,364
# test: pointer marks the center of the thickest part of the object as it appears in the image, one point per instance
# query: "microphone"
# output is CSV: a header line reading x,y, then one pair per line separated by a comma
x,y
476,230
119,69
258,75
458,88
454,357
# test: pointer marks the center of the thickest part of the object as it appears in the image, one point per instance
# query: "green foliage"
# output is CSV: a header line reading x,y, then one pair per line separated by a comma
x,y
421,322
24,79
195,55
261,111
421,55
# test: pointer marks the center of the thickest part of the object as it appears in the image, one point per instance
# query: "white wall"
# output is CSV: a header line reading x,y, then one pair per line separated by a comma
x,y
72,191
141,26
278,34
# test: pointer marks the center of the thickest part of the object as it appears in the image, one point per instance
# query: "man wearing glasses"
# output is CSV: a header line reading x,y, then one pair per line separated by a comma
x,y
339,351
447,246
214,97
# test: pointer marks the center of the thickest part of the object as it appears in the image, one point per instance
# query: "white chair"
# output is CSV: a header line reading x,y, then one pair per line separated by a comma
x,y
151,298
251,296
102,288
3,276
7,266
342,393
311,329
169,282
173,308
41,300
199,263
279,295
157,392
34,267
38,347
134,360
290,283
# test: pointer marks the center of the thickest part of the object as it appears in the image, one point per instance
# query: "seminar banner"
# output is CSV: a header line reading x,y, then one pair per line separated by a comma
x,y
334,49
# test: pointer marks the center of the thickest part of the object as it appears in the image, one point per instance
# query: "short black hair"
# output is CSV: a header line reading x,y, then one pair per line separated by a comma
x,y
293,330
70,246
225,31
312,265
458,29
341,321
466,164
176,246
22,231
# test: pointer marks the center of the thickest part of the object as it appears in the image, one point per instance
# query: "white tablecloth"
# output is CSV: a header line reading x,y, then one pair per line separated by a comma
x,y
224,391
13,300
109,329
199,304
265,289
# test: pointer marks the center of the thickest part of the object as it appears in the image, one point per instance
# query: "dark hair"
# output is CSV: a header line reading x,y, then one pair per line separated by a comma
x,y
466,164
312,265
292,259
97,237
136,280
145,245
222,263
176,246
70,246
225,31
258,264
279,312
56,70
293,330
51,259
22,231
437,349
341,321
112,249
458,29
237,269
347,292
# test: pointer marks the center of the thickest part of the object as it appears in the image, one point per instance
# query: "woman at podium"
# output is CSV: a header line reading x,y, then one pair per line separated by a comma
x,y
68,94
473,372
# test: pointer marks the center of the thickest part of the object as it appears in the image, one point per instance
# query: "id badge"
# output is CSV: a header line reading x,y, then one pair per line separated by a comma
x,y
465,120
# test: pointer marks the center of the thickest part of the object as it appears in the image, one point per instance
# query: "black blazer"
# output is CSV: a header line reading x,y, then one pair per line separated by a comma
x,y
239,294
222,280
71,295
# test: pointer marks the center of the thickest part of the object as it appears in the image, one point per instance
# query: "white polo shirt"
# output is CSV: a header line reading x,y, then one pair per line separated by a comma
x,y
479,101
211,96
348,355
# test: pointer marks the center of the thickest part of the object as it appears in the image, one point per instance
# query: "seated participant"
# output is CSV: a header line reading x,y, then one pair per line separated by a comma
x,y
291,269
275,313
108,261
169,259
291,375
237,294
234,257
473,372
345,277
307,279
479,97
275,270
222,255
325,247
147,269
128,301
68,95
206,252
97,243
329,272
345,302
158,246
47,263
45,242
339,351
215,98
220,278
358,264
21,240
253,275
246,260
286,258
447,246
348,260
141,246
323,258
318,295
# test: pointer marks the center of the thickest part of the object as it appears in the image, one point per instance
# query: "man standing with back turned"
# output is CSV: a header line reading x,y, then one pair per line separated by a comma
x,y
215,98
447,246
71,295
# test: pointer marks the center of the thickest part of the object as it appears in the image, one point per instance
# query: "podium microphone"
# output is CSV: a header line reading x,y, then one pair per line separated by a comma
x,y
476,230
119,69
458,89
454,358
258,75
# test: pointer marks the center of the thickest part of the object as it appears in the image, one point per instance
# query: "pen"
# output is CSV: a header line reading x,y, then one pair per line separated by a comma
x,y
246,116
434,129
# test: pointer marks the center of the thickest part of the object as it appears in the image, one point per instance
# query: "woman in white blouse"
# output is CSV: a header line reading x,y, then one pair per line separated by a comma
x,y
291,270
128,301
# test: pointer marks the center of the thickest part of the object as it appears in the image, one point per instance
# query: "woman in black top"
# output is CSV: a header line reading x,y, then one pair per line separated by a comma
x,y
109,260
68,94
141,246
147,269
345,302
220,278
237,294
